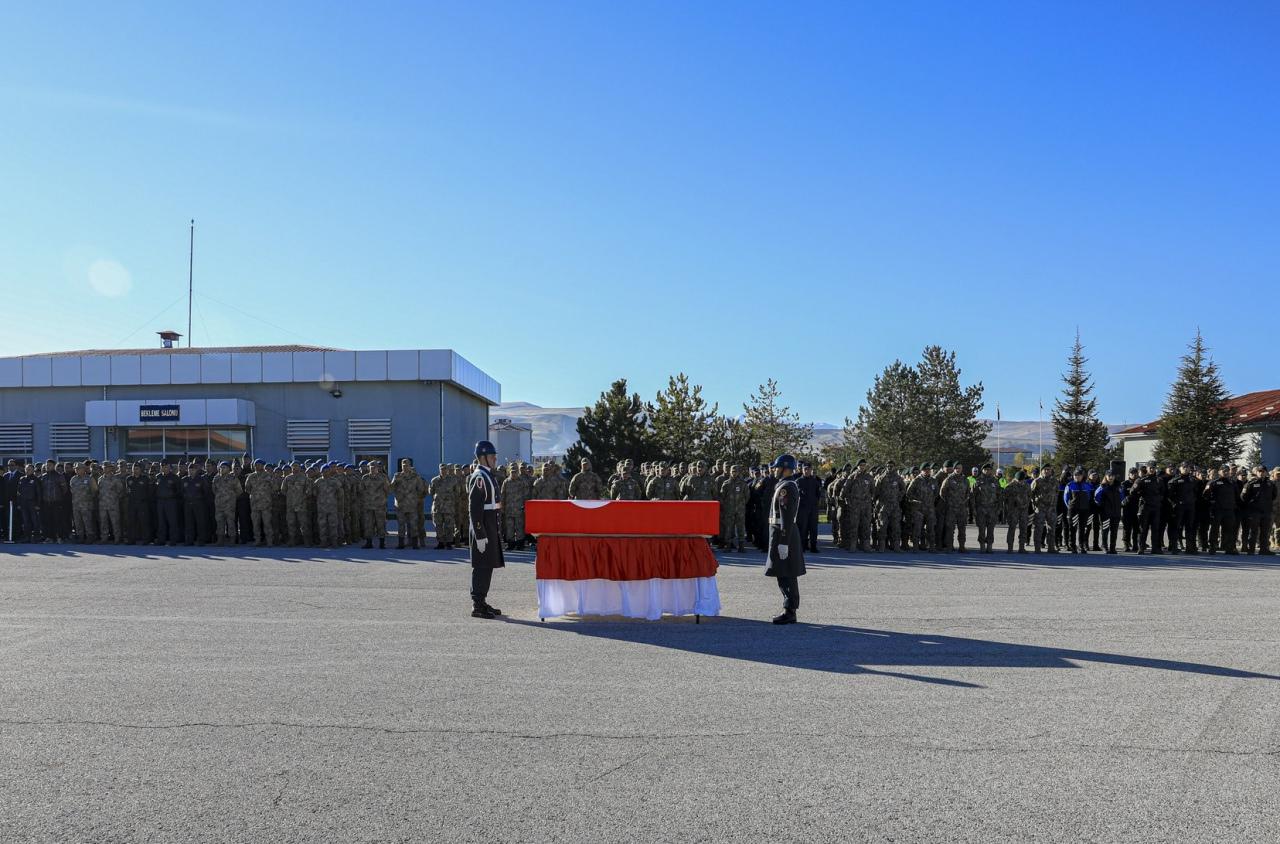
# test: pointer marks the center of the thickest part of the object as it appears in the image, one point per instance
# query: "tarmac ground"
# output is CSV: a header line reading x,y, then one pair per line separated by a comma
x,y
246,694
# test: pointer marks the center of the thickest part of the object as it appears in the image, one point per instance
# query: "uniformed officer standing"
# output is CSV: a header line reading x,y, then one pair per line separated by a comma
x,y
486,533
786,552
810,494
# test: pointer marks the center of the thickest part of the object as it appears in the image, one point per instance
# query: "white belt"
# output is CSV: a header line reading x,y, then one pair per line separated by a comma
x,y
493,506
775,521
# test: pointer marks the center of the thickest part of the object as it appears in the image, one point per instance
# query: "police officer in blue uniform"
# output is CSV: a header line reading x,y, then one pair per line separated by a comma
x,y
484,510
786,551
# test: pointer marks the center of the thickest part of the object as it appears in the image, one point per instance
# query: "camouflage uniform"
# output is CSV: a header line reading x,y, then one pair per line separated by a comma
x,y
297,494
587,486
442,506
920,493
856,494
734,492
329,505
888,494
261,488
515,492
955,497
551,486
986,504
833,508
374,489
1044,502
409,489
1017,497
110,495
626,488
461,505
662,488
84,500
226,488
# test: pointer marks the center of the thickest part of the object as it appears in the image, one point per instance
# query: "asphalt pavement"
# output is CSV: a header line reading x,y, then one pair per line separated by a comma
x,y
270,695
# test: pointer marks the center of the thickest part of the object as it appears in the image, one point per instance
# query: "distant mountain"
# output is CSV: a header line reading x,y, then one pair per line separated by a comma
x,y
556,428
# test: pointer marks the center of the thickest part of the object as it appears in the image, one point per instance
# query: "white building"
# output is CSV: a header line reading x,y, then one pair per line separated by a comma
x,y
1257,418
512,440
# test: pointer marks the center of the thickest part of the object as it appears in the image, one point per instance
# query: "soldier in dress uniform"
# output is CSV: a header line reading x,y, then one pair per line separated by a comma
x,y
786,552
485,529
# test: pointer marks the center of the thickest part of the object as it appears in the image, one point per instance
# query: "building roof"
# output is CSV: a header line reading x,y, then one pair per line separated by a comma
x,y
185,350
508,425
181,368
1260,408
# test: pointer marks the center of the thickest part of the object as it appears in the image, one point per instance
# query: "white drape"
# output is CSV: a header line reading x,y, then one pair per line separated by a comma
x,y
631,598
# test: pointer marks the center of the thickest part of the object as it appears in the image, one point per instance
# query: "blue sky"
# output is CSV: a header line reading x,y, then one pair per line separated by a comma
x,y
571,192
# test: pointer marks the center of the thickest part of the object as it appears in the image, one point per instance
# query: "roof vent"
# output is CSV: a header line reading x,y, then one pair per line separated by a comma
x,y
168,339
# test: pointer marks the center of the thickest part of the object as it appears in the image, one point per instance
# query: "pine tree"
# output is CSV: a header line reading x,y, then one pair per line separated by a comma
x,y
1195,424
728,439
1081,437
774,429
681,420
615,428
920,413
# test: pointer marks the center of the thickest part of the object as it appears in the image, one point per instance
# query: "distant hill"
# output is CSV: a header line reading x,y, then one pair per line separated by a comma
x,y
555,429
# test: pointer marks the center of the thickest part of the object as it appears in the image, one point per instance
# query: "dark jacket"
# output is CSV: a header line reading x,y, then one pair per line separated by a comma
x,y
1258,495
28,490
783,531
1222,496
1149,490
193,489
1109,498
810,492
1078,497
168,487
483,498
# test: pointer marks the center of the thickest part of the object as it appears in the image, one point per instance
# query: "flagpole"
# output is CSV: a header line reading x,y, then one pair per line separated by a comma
x,y
1040,427
191,263
997,438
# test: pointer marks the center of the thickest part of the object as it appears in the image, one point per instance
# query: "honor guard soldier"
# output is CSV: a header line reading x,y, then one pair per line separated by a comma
x,y
786,552
486,533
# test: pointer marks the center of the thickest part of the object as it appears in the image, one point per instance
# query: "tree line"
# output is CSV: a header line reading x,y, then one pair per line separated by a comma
x,y
912,413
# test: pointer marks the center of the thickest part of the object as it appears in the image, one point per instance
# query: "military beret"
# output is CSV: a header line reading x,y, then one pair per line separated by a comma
x,y
986,465
224,463
862,462
259,462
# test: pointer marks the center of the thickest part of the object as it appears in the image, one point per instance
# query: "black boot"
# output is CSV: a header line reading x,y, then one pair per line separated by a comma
x,y
481,611
400,544
368,543
440,546
493,609
382,542
415,543
787,617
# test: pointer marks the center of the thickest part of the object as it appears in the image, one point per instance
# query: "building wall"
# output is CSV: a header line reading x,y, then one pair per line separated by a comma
x,y
413,407
513,444
1142,449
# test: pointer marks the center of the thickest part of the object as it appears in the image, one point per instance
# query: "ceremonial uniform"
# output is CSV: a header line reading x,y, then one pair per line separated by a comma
x,y
485,532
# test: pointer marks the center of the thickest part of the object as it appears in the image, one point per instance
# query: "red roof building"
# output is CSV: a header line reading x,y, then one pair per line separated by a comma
x,y
1256,415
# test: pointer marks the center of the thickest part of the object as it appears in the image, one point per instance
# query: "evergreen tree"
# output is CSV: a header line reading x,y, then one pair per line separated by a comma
x,y
681,420
774,429
728,439
1081,437
919,413
614,429
1195,424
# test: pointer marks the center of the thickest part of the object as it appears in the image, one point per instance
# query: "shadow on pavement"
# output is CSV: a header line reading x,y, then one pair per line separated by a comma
x,y
854,650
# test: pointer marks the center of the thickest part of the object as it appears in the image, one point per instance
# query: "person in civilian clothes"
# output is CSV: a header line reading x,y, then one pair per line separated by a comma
x,y
486,534
786,552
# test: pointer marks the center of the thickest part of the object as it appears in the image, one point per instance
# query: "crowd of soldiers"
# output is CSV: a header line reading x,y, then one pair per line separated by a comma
x,y
1170,509
241,501
927,508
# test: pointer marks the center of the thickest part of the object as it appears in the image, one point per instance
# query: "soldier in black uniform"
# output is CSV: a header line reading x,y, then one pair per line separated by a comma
x,y
786,553
28,501
168,501
764,489
1256,500
140,493
1129,512
484,512
1182,511
1224,505
810,495
195,517
1108,501
1149,490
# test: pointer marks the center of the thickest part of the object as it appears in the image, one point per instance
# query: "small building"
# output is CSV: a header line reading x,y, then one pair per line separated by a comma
x,y
512,440
1256,419
273,402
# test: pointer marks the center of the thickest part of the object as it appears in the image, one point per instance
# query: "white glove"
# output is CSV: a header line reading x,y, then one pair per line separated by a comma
x,y
782,552
480,545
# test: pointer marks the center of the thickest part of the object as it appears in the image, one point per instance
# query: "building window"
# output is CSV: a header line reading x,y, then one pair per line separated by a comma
x,y
179,442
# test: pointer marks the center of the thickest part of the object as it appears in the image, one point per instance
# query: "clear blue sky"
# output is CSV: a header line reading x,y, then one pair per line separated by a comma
x,y
571,192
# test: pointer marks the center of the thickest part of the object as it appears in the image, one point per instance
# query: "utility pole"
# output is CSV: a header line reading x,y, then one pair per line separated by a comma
x,y
191,262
